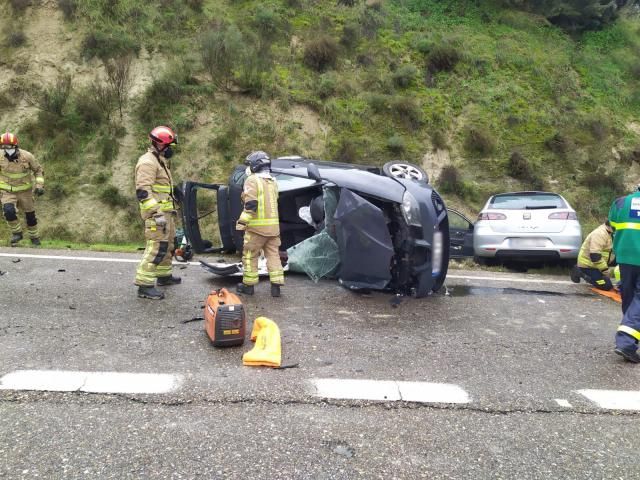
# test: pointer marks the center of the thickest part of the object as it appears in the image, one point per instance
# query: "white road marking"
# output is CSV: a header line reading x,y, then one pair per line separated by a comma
x,y
614,399
94,382
132,260
83,259
389,390
563,403
513,279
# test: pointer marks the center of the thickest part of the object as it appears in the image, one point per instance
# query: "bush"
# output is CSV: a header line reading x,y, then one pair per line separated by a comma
x,y
221,49
321,53
19,6
602,179
91,108
267,22
396,144
68,8
378,102
443,58
164,92
16,39
350,35
347,152
108,148
479,141
450,180
558,144
56,191
407,110
225,142
370,21
195,5
55,98
404,76
439,139
519,167
112,44
100,178
327,85
112,197
598,129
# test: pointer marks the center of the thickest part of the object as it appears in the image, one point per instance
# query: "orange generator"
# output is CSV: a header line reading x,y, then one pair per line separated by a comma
x,y
224,319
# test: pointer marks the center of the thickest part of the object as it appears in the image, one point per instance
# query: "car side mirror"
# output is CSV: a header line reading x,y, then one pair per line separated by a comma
x,y
314,172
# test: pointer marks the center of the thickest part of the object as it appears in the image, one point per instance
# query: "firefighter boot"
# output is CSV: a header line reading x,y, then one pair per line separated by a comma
x,y
170,280
35,241
150,292
15,238
629,356
246,289
575,274
275,290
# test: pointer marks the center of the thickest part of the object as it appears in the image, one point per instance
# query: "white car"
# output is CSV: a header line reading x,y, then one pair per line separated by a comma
x,y
527,226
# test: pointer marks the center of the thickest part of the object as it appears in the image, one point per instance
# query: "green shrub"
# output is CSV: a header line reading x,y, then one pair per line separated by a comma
x,y
558,144
347,151
479,141
321,53
450,181
113,43
221,50
56,190
19,6
423,45
112,197
598,129
16,39
169,89
404,76
55,98
519,167
378,102
601,178
108,148
100,178
267,22
327,84
195,5
225,142
90,109
407,110
439,139
350,35
68,8
371,20
396,144
443,58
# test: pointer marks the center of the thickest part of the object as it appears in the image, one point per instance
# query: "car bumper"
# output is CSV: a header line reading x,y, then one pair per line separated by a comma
x,y
535,246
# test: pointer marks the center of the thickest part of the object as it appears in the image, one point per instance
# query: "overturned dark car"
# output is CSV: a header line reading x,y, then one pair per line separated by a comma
x,y
369,227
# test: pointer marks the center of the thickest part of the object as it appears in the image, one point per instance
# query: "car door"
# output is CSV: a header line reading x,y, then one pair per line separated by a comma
x,y
201,200
460,235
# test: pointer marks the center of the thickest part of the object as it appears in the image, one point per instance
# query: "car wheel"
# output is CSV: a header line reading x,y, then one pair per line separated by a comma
x,y
405,170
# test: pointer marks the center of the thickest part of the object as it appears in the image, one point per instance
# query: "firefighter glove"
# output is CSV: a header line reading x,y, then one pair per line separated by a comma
x,y
39,191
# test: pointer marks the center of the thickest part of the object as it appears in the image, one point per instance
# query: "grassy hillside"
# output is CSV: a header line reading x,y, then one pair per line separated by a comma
x,y
486,98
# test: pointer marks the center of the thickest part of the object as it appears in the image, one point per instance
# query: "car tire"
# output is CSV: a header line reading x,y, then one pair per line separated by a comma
x,y
410,171
487,261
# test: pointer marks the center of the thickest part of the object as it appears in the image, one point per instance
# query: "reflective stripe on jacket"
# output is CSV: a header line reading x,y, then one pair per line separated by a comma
x,y
16,176
154,177
264,219
597,242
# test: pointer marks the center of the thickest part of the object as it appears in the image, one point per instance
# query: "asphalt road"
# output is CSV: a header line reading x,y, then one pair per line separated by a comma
x,y
521,347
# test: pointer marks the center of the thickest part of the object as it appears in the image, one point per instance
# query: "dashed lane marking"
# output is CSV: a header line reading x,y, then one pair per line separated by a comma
x,y
93,382
614,399
389,390
563,403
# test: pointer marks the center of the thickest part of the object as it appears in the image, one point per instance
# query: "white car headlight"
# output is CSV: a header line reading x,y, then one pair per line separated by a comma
x,y
411,209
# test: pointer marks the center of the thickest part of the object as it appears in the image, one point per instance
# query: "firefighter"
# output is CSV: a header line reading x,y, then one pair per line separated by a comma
x,y
624,217
595,257
154,190
17,167
261,225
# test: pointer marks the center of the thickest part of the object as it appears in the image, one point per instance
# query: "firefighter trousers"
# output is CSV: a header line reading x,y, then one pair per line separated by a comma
x,y
628,333
596,278
156,260
253,243
14,202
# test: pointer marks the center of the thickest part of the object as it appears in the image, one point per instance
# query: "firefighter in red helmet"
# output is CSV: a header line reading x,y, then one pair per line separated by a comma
x,y
154,190
17,187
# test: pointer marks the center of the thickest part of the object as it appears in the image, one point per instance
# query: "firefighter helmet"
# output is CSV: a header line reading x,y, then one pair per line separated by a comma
x,y
8,140
162,137
257,161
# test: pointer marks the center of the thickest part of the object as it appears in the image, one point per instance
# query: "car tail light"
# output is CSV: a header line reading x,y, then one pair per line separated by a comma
x,y
563,216
492,216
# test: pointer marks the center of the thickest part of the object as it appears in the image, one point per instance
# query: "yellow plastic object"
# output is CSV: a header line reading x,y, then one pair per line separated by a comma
x,y
616,274
267,351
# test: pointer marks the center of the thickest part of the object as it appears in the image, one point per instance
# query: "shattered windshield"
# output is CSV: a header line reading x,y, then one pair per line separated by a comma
x,y
288,183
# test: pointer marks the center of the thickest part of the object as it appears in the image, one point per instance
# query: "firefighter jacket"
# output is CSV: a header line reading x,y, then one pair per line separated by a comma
x,y
154,185
17,175
596,249
624,216
260,198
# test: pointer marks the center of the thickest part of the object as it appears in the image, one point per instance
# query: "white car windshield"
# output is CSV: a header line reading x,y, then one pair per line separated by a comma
x,y
533,201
